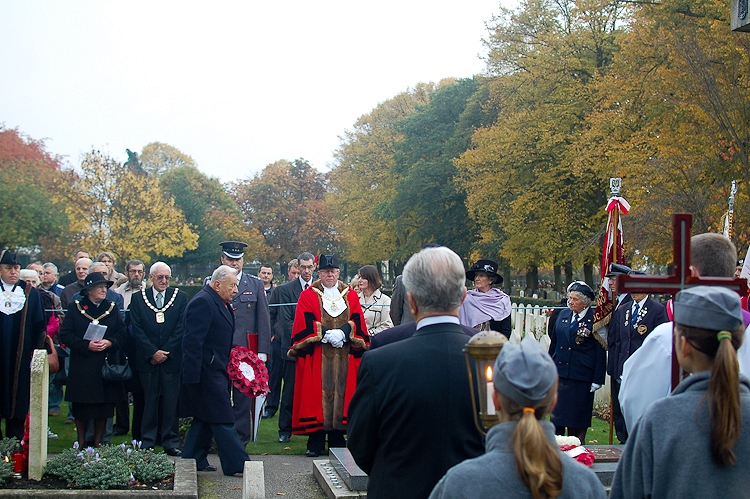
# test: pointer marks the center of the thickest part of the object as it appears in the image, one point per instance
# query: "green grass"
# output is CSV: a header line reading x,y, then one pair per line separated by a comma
x,y
267,443
268,436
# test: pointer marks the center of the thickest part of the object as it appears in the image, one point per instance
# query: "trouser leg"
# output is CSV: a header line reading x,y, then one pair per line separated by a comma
x,y
287,397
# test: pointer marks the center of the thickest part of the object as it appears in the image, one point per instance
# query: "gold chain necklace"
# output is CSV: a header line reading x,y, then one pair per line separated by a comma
x,y
333,301
95,320
159,311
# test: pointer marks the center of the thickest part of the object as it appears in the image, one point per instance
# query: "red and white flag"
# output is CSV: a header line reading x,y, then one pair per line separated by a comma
x,y
613,243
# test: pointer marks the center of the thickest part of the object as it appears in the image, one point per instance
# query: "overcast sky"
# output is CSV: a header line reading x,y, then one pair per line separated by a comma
x,y
235,85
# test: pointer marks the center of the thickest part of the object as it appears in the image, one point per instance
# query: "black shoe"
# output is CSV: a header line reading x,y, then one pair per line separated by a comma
x,y
268,413
207,468
173,452
283,439
118,432
312,453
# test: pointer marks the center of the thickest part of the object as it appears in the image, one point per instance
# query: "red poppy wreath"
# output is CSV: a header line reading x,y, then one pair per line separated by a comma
x,y
248,372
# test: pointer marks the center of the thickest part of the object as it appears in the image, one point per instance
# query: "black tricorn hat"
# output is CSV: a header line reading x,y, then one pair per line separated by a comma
x,y
328,262
233,249
489,267
9,258
92,280
618,269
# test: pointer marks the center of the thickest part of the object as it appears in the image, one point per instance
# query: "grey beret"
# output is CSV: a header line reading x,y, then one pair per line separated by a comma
x,y
708,307
524,373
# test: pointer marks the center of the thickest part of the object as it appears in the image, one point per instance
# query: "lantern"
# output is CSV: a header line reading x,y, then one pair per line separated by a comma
x,y
483,349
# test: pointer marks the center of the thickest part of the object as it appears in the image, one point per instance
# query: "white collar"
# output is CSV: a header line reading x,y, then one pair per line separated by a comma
x,y
437,319
303,282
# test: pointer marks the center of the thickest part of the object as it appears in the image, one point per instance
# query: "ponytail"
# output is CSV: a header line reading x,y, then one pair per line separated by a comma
x,y
537,460
725,412
724,401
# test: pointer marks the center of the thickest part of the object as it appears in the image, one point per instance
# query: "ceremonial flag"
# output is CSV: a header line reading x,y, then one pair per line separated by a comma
x,y
612,253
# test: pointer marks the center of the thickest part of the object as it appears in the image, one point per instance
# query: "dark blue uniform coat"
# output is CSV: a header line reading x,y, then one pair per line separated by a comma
x,y
209,327
578,365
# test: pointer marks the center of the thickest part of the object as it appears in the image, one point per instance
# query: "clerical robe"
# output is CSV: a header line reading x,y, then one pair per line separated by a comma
x,y
325,376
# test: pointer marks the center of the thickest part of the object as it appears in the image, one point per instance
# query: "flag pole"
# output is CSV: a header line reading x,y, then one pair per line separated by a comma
x,y
614,186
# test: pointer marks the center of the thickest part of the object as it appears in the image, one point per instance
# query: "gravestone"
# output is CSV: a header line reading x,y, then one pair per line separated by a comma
x,y
38,414
740,17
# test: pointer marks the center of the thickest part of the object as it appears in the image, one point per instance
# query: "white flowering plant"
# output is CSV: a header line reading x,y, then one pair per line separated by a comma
x,y
110,466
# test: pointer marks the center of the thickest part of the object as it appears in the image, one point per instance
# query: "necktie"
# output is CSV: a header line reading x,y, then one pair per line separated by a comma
x,y
635,317
307,285
574,322
159,300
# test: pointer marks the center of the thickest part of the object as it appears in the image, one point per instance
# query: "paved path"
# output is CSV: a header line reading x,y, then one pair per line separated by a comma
x,y
290,477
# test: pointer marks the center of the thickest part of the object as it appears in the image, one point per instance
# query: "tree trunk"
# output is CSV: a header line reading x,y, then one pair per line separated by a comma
x,y
532,279
558,278
588,274
568,275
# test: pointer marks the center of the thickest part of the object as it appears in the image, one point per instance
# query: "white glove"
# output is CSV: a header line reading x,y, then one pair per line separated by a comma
x,y
263,357
335,337
595,387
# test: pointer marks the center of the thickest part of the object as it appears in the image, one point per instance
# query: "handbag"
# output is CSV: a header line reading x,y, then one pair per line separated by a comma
x,y
117,369
52,358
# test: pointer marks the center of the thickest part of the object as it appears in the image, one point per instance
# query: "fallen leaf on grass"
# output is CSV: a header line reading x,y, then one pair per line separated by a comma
x,y
287,448
280,493
235,488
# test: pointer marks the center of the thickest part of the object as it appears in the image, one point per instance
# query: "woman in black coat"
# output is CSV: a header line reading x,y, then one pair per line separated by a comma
x,y
91,396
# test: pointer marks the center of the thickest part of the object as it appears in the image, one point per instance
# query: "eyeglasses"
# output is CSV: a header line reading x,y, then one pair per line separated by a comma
x,y
162,277
307,267
135,271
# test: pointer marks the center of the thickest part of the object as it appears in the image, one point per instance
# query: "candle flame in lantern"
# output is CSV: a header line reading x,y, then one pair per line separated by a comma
x,y
488,373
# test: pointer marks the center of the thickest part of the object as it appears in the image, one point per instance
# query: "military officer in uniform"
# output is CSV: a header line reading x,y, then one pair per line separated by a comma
x,y
251,317
630,325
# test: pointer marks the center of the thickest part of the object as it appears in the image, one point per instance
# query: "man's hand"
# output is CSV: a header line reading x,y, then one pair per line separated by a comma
x,y
335,337
595,387
159,356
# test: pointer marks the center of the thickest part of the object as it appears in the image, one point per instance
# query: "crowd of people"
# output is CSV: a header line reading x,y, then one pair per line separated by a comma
x,y
386,376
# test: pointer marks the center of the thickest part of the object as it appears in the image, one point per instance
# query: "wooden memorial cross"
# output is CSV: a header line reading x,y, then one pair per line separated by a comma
x,y
681,279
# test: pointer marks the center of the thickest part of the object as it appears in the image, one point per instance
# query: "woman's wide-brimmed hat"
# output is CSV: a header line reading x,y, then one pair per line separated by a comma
x,y
489,267
93,279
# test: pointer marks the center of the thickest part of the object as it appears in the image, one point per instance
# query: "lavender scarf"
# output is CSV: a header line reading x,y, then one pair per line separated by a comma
x,y
481,307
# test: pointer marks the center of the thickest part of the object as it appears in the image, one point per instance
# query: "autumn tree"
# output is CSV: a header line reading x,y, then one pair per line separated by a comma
x,y
158,158
286,204
674,121
111,207
211,213
362,179
544,60
29,213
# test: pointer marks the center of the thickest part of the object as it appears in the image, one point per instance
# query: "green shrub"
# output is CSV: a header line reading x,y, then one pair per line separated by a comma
x,y
109,466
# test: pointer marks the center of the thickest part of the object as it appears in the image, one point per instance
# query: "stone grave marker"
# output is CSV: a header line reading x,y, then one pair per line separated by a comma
x,y
38,414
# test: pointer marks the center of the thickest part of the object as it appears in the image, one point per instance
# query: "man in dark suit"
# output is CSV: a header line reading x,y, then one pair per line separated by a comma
x,y
276,371
251,317
630,326
411,416
157,320
283,321
205,392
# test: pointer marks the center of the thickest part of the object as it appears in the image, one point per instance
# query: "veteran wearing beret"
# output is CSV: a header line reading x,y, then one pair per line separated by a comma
x,y
580,358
